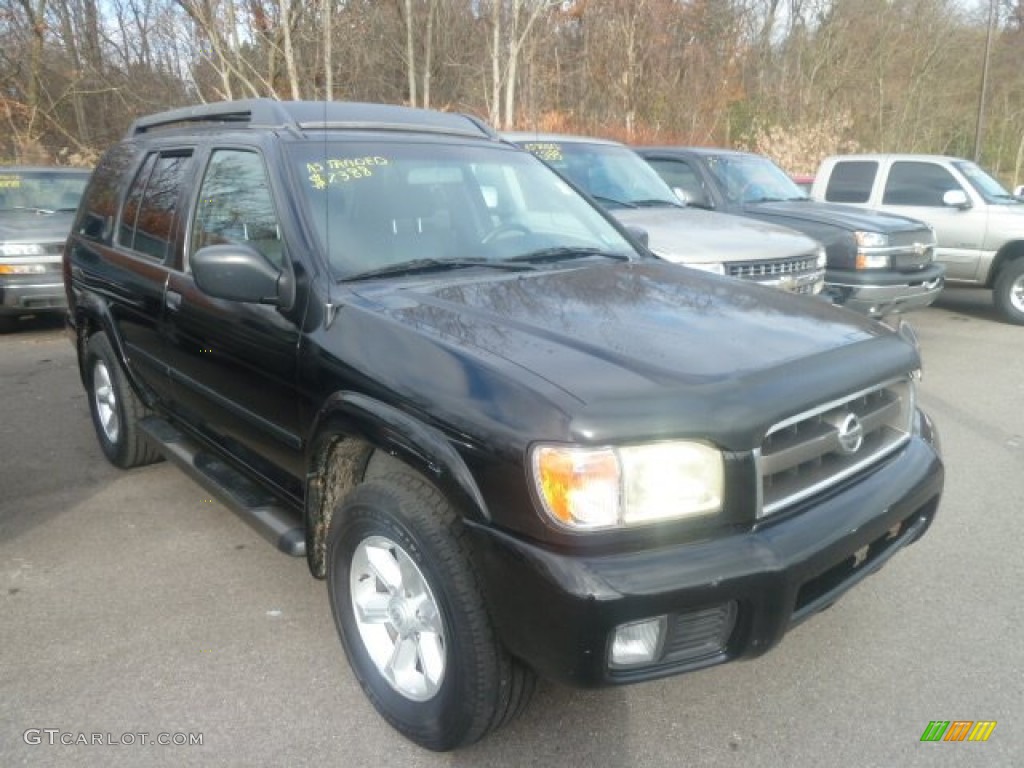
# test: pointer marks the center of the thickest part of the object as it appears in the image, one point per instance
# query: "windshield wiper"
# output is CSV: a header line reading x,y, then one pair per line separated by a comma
x,y
766,200
656,202
612,201
31,208
433,265
565,253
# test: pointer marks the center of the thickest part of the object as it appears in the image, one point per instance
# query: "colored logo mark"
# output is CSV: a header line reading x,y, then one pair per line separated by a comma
x,y
958,730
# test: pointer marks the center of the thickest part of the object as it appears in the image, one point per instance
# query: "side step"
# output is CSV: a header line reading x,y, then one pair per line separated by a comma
x,y
277,523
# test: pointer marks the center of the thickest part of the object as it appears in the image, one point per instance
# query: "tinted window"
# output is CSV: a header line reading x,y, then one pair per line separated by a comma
x,y
150,216
851,181
235,205
102,196
912,183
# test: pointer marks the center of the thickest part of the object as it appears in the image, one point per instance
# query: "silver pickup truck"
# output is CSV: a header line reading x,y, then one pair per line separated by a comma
x,y
979,225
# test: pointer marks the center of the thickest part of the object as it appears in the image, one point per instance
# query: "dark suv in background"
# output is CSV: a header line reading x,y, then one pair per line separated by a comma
x,y
877,263
510,439
37,205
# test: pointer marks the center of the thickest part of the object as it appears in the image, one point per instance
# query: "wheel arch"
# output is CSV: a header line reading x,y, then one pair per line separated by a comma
x,y
91,316
1007,254
356,436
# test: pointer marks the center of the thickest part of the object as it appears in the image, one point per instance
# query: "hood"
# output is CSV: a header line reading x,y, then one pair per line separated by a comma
x,y
31,227
794,213
691,235
620,351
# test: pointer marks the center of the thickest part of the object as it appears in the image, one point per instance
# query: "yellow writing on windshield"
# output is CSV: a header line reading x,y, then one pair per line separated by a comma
x,y
549,153
7,181
340,170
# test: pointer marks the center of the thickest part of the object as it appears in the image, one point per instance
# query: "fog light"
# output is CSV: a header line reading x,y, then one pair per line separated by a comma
x,y
638,643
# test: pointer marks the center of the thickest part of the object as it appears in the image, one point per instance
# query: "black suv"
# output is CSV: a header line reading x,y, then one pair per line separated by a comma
x,y
510,439
877,263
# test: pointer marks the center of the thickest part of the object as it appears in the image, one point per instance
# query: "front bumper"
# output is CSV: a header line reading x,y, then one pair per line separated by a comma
x,y
881,297
28,294
558,610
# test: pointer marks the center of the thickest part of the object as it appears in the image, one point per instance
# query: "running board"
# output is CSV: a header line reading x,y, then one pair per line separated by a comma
x,y
277,523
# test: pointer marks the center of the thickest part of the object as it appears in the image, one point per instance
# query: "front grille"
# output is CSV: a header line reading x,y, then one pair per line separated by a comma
x,y
911,250
813,451
760,270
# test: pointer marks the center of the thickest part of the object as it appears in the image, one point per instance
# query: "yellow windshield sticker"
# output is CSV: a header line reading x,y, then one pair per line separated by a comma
x,y
340,170
9,181
549,153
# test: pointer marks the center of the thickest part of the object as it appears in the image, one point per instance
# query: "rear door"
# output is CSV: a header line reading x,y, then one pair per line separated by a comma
x,y
234,364
123,248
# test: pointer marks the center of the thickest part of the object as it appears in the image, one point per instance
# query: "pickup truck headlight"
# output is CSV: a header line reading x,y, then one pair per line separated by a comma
x,y
715,269
593,488
867,241
21,249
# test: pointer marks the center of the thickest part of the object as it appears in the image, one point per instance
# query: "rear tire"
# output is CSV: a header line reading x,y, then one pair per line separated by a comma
x,y
115,408
410,612
1008,292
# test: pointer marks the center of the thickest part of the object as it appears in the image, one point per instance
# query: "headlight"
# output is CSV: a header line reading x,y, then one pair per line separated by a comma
x,y
21,249
593,488
822,259
870,240
715,269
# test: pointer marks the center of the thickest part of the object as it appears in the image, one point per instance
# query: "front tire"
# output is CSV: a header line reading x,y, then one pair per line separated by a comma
x,y
1008,293
411,616
115,408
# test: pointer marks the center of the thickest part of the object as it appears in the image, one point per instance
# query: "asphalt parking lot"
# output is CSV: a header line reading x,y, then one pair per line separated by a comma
x,y
133,604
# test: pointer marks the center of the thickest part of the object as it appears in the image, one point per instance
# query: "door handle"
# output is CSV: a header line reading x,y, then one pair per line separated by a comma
x,y
173,300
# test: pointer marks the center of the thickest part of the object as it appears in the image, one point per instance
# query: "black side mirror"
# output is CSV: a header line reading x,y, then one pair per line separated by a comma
x,y
241,273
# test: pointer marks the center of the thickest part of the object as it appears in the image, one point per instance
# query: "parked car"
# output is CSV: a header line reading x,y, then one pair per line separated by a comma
x,y
36,208
511,440
878,263
978,224
619,180
803,182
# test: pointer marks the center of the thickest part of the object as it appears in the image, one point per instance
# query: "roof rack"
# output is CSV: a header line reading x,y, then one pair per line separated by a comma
x,y
303,115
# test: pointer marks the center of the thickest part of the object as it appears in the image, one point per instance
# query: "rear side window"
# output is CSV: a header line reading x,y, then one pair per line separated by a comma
x,y
851,181
99,209
149,220
916,183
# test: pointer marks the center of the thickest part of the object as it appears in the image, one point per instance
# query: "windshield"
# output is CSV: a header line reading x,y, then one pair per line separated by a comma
x,y
41,190
985,185
613,175
752,179
380,205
